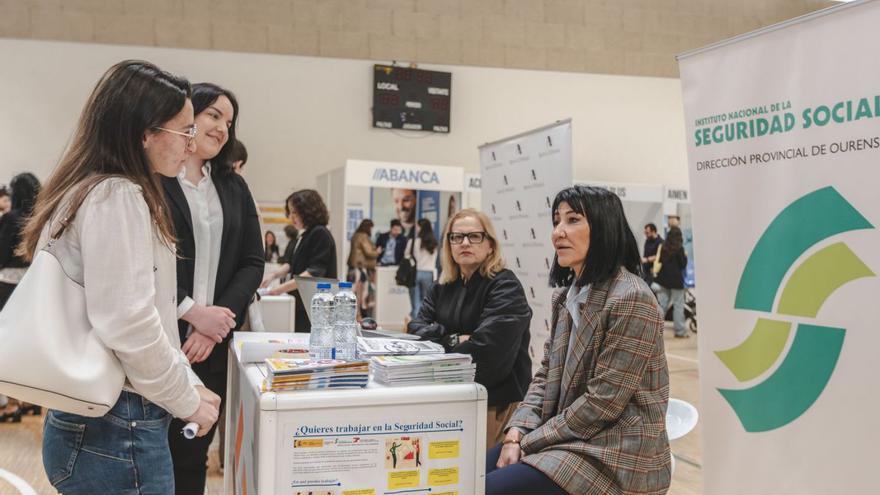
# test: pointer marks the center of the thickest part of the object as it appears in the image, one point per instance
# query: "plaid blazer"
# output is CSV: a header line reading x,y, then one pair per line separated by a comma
x,y
596,422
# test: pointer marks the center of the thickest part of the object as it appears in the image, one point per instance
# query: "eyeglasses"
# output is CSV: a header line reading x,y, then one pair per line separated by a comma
x,y
472,237
190,136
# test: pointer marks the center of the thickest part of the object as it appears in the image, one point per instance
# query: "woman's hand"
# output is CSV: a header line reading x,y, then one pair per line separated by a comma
x,y
213,322
197,347
511,452
208,411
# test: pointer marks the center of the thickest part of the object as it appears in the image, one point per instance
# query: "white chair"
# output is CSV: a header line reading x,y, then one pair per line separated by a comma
x,y
276,314
681,418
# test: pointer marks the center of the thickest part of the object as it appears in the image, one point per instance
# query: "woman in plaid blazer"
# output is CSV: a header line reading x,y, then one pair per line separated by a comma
x,y
593,420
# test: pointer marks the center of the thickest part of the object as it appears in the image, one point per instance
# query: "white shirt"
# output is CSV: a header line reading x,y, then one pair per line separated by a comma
x,y
425,261
207,222
130,281
573,301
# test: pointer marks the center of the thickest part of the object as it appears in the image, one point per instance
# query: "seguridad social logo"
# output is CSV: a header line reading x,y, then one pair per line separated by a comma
x,y
799,380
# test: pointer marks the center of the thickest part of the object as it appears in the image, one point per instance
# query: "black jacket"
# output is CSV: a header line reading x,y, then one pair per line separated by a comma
x,y
10,237
672,268
399,247
496,315
315,254
240,269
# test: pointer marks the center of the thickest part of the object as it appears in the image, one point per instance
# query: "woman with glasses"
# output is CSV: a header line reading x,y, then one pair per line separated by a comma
x,y
106,185
220,261
478,307
594,419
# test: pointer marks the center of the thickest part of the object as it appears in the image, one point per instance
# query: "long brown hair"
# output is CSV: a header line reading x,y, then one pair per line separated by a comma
x,y
132,98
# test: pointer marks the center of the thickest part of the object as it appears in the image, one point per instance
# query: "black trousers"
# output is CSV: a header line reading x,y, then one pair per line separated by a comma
x,y
190,457
5,292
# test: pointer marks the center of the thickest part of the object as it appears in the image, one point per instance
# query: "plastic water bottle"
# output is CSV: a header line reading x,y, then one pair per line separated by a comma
x,y
321,339
345,322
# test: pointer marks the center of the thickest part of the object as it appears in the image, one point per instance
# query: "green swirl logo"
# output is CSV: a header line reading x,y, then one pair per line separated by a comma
x,y
804,372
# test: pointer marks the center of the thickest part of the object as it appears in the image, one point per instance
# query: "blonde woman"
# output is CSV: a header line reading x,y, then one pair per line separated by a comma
x,y
478,307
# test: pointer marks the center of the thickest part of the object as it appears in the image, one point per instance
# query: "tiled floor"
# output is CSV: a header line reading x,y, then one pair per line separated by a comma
x,y
20,443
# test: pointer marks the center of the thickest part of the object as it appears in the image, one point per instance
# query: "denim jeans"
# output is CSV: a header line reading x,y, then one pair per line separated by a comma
x,y
418,292
123,452
665,297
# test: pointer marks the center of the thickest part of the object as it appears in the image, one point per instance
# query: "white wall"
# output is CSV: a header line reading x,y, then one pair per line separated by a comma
x,y
303,116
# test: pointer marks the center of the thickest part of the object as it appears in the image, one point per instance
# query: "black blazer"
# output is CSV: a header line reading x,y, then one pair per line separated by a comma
x,y
315,254
11,225
496,315
399,248
240,269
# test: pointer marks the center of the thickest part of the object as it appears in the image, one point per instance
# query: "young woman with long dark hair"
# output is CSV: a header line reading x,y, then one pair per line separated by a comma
x,y
423,252
220,261
136,126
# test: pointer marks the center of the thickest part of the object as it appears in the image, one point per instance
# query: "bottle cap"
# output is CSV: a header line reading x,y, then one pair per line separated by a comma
x,y
324,285
345,285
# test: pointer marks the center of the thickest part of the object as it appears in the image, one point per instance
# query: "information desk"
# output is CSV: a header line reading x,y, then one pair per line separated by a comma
x,y
374,441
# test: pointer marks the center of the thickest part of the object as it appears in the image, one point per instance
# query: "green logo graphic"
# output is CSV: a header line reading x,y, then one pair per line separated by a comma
x,y
802,375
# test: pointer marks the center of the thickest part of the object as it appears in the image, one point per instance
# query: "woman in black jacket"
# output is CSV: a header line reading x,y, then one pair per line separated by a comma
x,y
315,253
669,281
25,188
478,307
220,261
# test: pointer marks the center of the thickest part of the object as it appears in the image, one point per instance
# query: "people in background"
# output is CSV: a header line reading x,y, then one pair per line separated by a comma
x,y
652,242
478,307
13,266
405,208
5,201
669,280
238,157
673,221
271,247
219,265
422,250
137,124
597,405
292,235
315,254
391,244
362,265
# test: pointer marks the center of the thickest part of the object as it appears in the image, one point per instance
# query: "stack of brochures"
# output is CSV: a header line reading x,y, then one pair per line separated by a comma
x,y
422,369
305,374
368,347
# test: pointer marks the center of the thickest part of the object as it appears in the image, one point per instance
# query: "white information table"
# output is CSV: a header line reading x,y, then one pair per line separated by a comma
x,y
373,441
392,300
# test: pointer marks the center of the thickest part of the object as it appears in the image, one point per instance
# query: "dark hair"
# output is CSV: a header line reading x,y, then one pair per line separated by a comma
x,y
612,243
651,227
673,244
426,234
25,188
238,153
366,226
290,231
203,96
395,223
309,206
132,98
4,191
266,238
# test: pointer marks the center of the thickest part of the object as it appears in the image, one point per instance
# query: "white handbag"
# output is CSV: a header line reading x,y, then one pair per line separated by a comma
x,y
49,353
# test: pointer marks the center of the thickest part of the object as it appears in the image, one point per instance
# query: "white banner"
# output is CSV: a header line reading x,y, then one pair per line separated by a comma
x,y
520,177
783,147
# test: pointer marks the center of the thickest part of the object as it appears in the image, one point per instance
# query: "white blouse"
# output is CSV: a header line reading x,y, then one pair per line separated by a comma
x,y
130,281
207,221
425,261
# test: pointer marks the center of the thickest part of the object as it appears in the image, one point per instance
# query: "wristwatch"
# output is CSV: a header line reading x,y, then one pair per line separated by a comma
x,y
451,340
